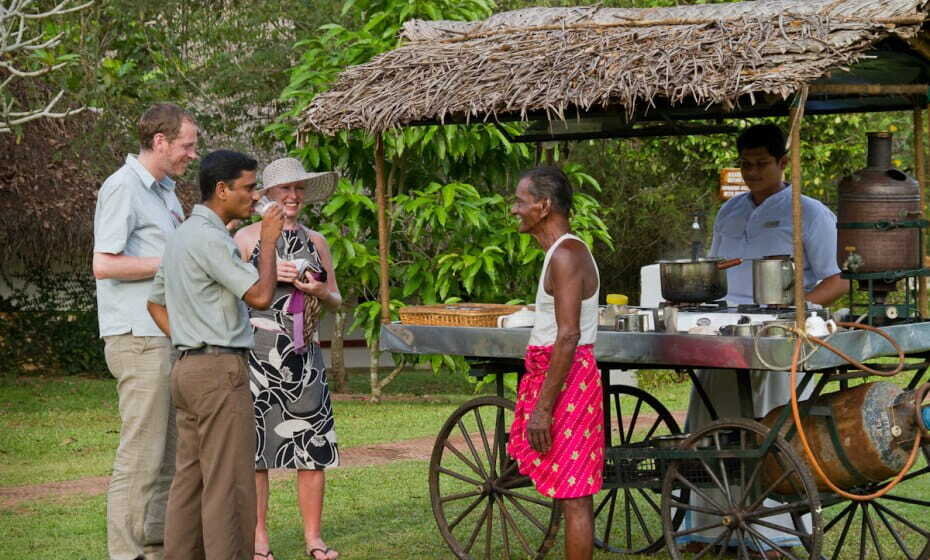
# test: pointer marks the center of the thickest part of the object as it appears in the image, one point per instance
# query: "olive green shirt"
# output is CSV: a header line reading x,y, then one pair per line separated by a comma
x,y
201,281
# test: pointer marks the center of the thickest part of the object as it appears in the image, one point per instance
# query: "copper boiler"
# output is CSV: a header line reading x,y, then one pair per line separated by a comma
x,y
878,193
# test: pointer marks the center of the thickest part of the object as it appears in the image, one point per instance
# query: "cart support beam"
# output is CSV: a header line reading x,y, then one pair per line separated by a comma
x,y
797,115
383,279
868,89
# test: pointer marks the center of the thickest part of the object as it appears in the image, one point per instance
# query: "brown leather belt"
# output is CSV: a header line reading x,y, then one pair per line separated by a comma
x,y
211,349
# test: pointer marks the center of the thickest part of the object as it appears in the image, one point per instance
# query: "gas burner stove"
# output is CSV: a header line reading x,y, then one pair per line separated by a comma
x,y
718,314
756,308
709,307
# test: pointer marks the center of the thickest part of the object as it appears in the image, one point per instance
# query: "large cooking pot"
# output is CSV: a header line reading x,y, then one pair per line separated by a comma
x,y
773,281
694,281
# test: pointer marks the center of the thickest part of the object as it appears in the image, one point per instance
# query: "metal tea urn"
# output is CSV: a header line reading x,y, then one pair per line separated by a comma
x,y
871,202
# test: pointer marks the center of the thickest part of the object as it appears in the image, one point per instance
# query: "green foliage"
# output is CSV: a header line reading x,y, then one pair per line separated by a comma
x,y
658,378
49,324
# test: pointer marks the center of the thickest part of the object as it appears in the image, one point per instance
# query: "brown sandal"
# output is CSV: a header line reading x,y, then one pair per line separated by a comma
x,y
312,553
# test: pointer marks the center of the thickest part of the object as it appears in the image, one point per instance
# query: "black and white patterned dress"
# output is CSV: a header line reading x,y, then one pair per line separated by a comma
x,y
293,411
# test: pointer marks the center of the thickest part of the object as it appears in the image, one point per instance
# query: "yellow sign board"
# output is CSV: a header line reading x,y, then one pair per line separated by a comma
x,y
731,183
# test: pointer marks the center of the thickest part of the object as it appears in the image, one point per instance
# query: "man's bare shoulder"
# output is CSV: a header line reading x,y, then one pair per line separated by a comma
x,y
571,252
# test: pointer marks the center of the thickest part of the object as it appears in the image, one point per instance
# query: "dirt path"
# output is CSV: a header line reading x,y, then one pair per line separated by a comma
x,y
417,449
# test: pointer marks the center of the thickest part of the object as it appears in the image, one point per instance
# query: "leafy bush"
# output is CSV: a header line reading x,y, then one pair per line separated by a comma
x,y
48,325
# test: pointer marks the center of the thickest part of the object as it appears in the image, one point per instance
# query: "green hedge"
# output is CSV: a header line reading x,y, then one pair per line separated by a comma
x,y
48,326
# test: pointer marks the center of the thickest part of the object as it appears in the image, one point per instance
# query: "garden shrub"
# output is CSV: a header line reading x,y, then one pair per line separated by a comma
x,y
48,326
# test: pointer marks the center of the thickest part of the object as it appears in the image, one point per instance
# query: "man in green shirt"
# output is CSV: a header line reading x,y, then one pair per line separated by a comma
x,y
198,299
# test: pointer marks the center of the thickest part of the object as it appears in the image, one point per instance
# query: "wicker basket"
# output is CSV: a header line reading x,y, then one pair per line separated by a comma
x,y
456,314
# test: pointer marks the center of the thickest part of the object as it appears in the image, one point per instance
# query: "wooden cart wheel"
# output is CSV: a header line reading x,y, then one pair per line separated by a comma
x,y
893,527
627,518
740,499
483,506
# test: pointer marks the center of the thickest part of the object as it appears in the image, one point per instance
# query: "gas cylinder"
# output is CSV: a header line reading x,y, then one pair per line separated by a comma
x,y
875,426
878,193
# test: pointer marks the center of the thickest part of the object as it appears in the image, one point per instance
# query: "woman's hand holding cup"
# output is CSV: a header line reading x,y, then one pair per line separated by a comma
x,y
287,271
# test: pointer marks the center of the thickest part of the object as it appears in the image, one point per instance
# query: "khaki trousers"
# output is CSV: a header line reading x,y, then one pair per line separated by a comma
x,y
144,463
211,507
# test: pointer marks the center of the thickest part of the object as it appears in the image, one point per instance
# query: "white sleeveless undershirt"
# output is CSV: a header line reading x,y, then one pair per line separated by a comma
x,y
544,328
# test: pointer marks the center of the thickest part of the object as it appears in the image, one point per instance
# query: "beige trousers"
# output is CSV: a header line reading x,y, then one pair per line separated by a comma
x,y
211,507
144,463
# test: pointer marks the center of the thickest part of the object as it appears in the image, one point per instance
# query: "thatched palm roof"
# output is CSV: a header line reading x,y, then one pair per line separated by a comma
x,y
559,62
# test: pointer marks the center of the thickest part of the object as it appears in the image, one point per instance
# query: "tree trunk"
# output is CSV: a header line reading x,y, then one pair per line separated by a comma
x,y
373,374
337,352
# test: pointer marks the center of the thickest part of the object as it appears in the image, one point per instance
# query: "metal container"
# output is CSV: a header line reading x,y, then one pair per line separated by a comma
x,y
631,322
875,428
773,281
777,327
694,281
665,319
878,193
741,329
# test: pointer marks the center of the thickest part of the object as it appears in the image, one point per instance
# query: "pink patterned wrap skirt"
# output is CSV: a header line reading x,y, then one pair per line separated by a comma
x,y
574,464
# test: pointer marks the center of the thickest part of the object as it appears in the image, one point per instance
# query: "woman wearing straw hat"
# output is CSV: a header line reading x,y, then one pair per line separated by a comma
x,y
293,411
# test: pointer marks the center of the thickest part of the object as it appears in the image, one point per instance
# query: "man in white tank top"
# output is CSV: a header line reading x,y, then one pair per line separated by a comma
x,y
557,435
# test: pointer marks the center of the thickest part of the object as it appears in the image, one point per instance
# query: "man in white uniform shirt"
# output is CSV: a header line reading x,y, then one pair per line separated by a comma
x,y
750,226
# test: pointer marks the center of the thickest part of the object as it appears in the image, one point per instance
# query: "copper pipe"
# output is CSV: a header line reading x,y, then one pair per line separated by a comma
x,y
802,436
383,277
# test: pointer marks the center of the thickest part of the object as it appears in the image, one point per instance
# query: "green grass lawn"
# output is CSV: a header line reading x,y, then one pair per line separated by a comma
x,y
372,513
54,429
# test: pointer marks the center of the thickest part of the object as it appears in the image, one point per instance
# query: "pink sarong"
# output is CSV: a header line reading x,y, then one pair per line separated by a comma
x,y
574,465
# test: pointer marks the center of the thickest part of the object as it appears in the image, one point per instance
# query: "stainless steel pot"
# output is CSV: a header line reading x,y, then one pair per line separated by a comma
x,y
773,281
631,322
694,281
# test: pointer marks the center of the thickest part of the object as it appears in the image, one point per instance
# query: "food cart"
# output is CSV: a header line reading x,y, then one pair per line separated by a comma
x,y
625,73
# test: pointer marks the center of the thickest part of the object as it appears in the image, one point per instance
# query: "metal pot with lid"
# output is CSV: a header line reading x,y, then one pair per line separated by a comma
x,y
695,280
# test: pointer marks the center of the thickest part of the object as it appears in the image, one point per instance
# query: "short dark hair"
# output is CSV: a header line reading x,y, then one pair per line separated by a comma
x,y
222,165
766,136
552,183
162,118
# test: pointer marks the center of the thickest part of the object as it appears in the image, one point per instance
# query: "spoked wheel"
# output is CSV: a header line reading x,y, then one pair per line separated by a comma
x,y
893,527
483,506
627,518
742,503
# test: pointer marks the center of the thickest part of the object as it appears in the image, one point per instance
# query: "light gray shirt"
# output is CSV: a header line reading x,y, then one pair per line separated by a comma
x,y
744,230
201,281
135,215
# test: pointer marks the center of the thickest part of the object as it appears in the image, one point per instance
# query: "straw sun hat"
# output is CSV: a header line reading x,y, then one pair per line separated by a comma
x,y
319,186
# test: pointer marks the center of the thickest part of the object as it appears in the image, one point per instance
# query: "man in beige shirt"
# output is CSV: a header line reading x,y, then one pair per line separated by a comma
x,y
137,211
